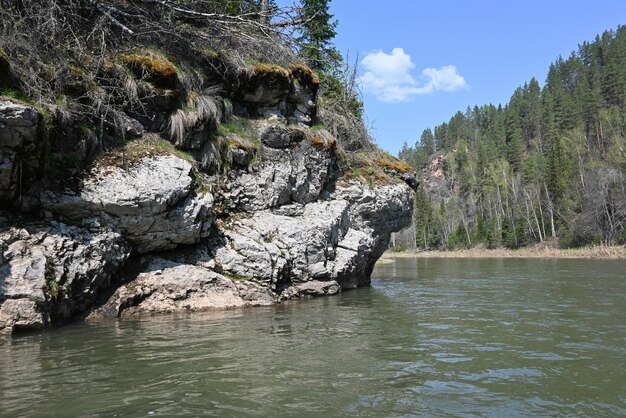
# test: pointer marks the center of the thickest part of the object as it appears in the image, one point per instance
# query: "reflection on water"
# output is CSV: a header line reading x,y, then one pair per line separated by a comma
x,y
431,337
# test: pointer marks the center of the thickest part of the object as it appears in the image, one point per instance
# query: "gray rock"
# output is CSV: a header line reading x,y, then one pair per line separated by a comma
x,y
300,173
130,126
339,239
166,286
19,146
318,288
152,203
277,94
275,248
49,273
279,136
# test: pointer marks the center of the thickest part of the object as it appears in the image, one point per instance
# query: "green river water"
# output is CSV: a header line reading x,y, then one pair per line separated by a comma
x,y
431,337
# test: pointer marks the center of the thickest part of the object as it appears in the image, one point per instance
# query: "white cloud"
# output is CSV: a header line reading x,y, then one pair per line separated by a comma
x,y
388,77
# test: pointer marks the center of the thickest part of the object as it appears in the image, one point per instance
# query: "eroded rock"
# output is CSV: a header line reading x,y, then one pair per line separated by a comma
x,y
166,286
291,169
49,273
152,203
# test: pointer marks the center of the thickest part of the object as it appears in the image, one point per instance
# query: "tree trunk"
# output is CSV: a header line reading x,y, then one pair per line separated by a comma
x,y
265,18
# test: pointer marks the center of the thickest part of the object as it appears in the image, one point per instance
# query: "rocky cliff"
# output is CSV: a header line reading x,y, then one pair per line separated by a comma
x,y
155,234
146,182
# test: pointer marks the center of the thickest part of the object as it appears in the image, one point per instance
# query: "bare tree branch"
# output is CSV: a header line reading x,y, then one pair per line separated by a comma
x,y
106,11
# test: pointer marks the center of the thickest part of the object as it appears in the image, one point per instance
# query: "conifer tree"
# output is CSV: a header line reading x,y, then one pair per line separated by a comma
x,y
316,35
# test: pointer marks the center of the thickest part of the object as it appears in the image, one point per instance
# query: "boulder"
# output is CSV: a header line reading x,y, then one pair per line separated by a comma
x,y
152,203
166,286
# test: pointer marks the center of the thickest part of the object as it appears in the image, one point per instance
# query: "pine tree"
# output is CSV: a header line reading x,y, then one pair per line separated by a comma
x,y
427,141
423,220
316,35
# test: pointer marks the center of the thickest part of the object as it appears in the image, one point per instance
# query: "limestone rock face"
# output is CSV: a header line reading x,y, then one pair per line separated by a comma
x,y
333,243
280,248
151,202
19,142
287,228
49,273
291,170
376,213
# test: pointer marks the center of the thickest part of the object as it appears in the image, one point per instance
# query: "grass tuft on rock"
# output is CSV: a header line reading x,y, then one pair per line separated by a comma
x,y
132,152
394,164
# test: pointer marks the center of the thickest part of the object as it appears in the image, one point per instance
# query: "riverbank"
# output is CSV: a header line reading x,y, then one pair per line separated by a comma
x,y
597,252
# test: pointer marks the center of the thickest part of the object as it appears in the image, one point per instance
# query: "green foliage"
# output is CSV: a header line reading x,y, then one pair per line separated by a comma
x,y
316,35
237,125
52,286
549,164
14,94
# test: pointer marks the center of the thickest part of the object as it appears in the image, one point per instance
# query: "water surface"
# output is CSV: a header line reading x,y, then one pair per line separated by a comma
x,y
431,337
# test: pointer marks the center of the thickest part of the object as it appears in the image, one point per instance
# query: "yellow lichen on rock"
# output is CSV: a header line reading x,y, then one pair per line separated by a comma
x,y
304,73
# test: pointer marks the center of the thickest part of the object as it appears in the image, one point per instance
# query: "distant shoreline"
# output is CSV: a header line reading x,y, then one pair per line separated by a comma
x,y
597,252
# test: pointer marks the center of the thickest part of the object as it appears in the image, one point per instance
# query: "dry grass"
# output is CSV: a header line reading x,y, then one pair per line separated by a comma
x,y
153,67
322,143
599,252
322,139
373,167
394,164
130,154
198,109
234,141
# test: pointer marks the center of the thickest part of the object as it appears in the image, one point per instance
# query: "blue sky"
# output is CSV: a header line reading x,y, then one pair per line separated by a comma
x,y
421,61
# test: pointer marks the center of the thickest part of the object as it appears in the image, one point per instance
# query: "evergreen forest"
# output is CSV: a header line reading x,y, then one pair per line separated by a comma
x,y
548,166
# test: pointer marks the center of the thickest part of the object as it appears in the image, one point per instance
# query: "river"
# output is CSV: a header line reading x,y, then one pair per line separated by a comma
x,y
431,337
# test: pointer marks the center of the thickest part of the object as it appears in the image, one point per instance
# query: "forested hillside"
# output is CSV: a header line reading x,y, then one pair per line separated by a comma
x,y
549,165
